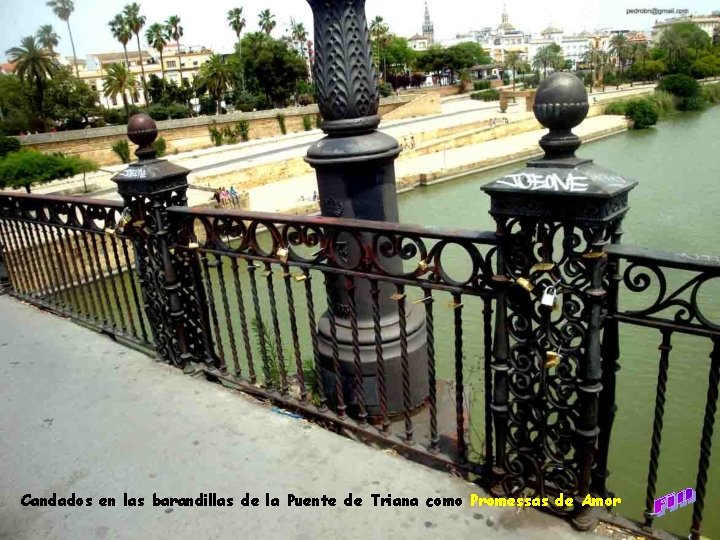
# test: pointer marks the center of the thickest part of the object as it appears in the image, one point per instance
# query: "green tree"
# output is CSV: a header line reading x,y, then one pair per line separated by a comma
x,y
63,9
47,37
379,34
215,76
400,58
26,167
597,59
157,37
266,21
120,80
33,64
121,31
512,62
549,56
69,100
135,23
271,67
175,31
16,111
681,43
706,66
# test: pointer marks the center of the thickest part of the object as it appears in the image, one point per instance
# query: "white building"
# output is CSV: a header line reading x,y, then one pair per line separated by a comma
x,y
419,43
707,23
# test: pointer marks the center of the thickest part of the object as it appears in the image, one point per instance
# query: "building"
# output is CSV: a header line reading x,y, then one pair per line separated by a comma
x,y
419,43
708,23
94,70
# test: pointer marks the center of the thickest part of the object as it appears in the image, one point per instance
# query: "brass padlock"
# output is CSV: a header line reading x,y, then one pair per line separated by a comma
x,y
283,254
552,359
525,284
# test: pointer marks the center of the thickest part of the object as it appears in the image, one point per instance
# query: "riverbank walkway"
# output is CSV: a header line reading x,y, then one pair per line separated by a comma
x,y
83,415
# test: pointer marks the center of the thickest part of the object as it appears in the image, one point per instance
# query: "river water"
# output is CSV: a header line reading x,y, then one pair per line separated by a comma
x,y
676,207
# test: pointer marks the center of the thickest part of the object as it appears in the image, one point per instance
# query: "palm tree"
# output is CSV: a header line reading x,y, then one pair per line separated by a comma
x,y
512,62
120,80
63,9
299,34
121,31
379,33
47,37
619,47
236,21
266,20
135,23
597,58
34,64
215,76
157,37
175,31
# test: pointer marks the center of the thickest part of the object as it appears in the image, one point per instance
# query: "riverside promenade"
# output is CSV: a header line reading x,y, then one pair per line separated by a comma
x,y
82,414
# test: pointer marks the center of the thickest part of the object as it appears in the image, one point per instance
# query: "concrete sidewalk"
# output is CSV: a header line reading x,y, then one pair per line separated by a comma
x,y
81,414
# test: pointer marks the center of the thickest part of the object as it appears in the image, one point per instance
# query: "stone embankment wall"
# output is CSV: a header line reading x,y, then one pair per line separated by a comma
x,y
192,133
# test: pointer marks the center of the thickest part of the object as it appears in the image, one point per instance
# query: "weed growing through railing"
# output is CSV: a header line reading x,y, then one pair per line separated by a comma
x,y
264,339
122,150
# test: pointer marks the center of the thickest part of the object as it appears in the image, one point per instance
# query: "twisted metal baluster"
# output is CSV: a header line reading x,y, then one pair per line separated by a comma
x,y
459,389
706,440
213,311
665,349
276,330
243,322
432,375
307,278
133,288
382,381
405,363
335,351
487,374
228,320
359,394
294,331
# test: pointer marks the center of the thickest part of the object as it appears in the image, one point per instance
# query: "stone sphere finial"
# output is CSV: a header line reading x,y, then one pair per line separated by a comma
x,y
561,103
142,130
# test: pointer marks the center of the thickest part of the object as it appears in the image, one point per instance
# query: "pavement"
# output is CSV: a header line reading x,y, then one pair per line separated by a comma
x,y
83,415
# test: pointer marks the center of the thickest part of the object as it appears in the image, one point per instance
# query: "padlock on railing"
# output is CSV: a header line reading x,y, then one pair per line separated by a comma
x,y
125,218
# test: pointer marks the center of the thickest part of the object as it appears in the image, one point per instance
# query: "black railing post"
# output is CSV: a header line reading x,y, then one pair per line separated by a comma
x,y
554,218
168,278
5,283
356,179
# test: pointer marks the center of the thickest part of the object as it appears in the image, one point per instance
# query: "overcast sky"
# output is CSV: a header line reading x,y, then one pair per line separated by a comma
x,y
205,21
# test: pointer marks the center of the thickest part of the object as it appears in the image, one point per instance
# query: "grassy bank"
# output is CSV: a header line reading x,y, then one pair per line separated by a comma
x,y
674,95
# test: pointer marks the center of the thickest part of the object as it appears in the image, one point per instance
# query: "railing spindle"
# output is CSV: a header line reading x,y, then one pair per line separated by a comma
x,y
243,322
487,374
210,294
706,440
307,279
382,381
459,389
428,300
121,276
259,325
228,319
93,290
113,285
404,363
133,287
340,398
359,387
665,348
287,276
74,280
276,329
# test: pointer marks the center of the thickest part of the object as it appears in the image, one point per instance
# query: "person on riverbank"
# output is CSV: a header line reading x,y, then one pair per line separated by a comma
x,y
234,196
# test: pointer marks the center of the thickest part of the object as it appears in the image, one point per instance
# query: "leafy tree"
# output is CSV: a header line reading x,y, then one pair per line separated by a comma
x,y
70,100
271,67
642,112
120,80
400,57
7,145
680,85
33,64
620,48
47,37
157,37
26,167
215,76
680,44
597,59
175,31
705,66
121,31
63,9
135,23
16,112
266,21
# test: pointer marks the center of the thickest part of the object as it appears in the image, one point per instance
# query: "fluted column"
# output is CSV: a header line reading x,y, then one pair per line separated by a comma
x,y
356,179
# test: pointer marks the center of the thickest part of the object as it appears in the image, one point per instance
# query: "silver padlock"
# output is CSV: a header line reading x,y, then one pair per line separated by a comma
x,y
549,297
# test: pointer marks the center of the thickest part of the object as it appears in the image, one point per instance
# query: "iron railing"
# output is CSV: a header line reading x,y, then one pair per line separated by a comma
x,y
670,293
58,256
268,278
